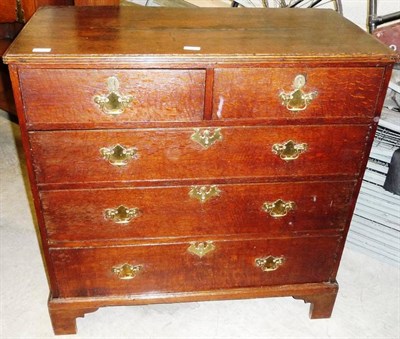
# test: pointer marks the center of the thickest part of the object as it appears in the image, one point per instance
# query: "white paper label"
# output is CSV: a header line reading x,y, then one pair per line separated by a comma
x,y
191,48
41,50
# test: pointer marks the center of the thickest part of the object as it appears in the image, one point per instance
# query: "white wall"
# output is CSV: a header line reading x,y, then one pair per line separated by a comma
x,y
356,10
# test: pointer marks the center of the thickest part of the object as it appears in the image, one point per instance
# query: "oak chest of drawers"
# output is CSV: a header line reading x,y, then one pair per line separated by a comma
x,y
182,155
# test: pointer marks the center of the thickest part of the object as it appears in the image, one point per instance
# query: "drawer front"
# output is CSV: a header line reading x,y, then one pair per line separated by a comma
x,y
331,92
192,211
59,96
86,156
172,268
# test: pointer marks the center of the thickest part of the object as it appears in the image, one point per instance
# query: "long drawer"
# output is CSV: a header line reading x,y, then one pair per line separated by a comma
x,y
271,93
111,97
232,152
193,266
269,209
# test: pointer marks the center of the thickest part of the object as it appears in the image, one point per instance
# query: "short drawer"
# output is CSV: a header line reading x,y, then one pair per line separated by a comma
x,y
271,93
269,209
110,97
99,156
193,266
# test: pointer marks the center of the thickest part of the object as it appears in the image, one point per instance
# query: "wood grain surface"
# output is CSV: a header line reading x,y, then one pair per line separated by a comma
x,y
254,92
171,268
65,96
221,34
74,156
170,212
242,61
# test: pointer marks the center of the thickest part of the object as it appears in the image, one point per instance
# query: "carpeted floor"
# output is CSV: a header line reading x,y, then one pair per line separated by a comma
x,y
368,304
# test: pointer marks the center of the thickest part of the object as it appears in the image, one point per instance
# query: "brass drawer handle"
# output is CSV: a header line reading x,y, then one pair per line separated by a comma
x,y
121,214
126,271
270,263
297,100
113,103
204,193
119,155
201,248
289,150
206,138
278,208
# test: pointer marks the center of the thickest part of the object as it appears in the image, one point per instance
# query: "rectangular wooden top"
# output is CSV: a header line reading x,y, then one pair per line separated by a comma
x,y
129,34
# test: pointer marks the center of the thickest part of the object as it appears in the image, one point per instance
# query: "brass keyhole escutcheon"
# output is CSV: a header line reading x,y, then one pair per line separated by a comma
x,y
269,263
297,100
206,138
289,150
121,214
204,193
278,208
119,155
126,271
113,103
201,248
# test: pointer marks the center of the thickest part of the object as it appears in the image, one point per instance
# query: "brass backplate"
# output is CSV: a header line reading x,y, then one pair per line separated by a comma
x,y
289,150
297,100
269,263
119,155
278,208
121,214
126,271
113,103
